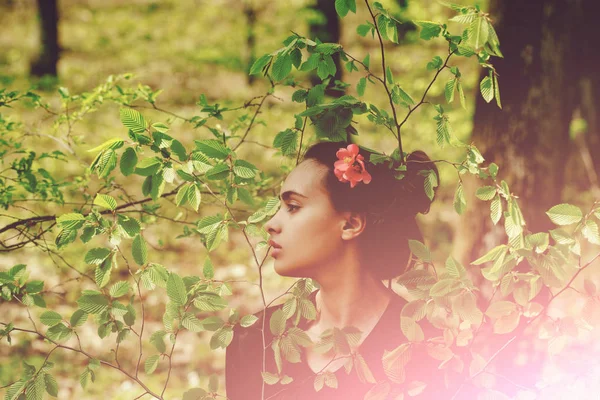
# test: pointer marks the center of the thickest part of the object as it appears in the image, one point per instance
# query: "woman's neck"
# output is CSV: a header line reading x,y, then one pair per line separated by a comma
x,y
351,300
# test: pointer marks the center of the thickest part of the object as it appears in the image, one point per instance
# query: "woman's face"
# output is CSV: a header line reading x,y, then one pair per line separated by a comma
x,y
307,227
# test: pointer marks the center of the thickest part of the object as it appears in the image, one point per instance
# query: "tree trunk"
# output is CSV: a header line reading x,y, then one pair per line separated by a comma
x,y
328,30
250,14
588,56
529,139
46,63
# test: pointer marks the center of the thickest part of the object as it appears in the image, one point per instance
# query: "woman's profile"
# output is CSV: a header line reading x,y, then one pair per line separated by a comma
x,y
345,223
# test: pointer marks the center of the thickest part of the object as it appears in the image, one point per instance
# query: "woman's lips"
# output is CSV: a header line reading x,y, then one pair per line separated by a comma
x,y
275,252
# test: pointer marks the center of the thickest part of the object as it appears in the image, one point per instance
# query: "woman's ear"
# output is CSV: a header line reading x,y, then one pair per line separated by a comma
x,y
354,224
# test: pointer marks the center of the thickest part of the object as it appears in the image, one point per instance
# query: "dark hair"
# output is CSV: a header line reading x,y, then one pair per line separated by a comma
x,y
391,205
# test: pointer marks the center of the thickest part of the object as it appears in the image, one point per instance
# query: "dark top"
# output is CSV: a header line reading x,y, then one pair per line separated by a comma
x,y
244,364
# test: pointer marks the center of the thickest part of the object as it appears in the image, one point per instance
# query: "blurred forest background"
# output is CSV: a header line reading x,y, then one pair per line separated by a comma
x,y
546,139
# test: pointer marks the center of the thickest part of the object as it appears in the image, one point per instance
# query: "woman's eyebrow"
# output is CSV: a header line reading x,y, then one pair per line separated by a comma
x,y
286,195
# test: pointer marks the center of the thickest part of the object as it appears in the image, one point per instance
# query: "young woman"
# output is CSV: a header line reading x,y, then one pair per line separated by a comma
x,y
345,223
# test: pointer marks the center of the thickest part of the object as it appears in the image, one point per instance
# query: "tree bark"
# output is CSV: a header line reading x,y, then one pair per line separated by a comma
x,y
540,81
47,61
588,56
529,137
328,30
250,14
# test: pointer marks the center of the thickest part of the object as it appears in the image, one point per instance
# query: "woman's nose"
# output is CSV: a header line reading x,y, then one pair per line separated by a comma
x,y
271,225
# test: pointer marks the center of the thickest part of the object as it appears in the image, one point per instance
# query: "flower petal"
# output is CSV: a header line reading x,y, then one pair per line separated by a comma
x,y
341,165
366,176
343,153
353,149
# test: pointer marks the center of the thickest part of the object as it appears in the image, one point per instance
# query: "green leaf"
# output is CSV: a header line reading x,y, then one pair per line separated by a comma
x,y
157,340
130,225
139,250
367,60
71,221
78,318
182,195
102,273
419,250
281,67
478,32
248,320
221,338
497,91
218,172
33,287
500,309
361,86
395,361
148,166
565,214
194,197
461,95
496,209
13,392
83,378
411,329
176,289
343,6
287,141
112,144
590,232
429,29
105,201
213,149
50,318
260,64
486,193
97,255
59,332
208,270
434,64
464,18
93,303
455,269
486,87
158,186
51,385
133,120
212,323
430,183
151,363
389,75
277,322
35,389
243,171
363,29
128,161
444,287
392,31
382,23
269,378
191,323
119,289
195,394
491,255
460,202
449,90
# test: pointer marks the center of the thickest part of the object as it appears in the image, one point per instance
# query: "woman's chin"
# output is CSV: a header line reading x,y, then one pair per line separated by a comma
x,y
288,271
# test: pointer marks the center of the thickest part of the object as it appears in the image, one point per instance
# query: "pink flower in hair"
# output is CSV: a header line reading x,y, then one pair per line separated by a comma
x,y
350,166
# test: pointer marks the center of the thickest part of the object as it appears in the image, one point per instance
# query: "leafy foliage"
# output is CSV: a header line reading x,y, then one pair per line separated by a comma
x,y
445,298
